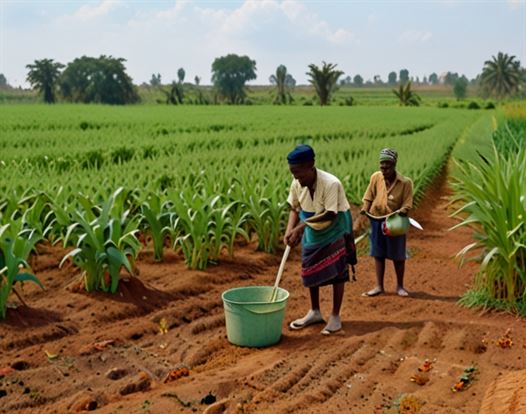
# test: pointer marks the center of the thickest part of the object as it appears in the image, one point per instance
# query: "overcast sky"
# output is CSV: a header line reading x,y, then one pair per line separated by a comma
x,y
363,37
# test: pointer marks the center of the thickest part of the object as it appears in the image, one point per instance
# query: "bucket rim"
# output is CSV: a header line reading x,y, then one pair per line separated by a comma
x,y
254,303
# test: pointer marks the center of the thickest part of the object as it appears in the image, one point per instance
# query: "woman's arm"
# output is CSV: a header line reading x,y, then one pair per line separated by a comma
x,y
294,230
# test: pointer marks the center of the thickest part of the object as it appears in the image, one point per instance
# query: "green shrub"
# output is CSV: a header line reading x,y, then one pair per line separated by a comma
x,y
489,105
473,105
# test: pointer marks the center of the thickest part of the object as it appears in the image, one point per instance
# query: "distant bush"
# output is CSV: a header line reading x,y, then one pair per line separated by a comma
x,y
443,105
349,101
490,105
473,105
307,103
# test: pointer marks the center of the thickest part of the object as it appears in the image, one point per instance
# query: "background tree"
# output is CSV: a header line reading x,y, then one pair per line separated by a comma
x,y
358,80
460,88
285,83
391,78
155,80
377,80
501,76
180,75
229,75
324,80
451,78
175,95
406,96
3,81
43,75
404,76
98,80
433,78
197,80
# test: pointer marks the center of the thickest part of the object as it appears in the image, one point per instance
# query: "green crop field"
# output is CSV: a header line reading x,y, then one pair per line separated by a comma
x,y
98,178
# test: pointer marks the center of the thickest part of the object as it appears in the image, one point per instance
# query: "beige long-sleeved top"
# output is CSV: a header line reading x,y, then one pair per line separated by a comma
x,y
380,200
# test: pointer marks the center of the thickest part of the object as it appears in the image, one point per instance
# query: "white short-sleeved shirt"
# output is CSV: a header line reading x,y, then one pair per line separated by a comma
x,y
329,195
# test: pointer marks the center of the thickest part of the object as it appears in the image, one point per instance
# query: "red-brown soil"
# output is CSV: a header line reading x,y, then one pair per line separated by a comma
x,y
365,368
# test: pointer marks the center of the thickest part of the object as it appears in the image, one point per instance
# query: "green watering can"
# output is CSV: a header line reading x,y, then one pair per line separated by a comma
x,y
395,224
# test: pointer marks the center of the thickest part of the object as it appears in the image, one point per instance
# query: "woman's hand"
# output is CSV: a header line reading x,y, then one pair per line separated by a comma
x,y
293,237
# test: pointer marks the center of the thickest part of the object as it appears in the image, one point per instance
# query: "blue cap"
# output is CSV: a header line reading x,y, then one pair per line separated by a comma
x,y
301,154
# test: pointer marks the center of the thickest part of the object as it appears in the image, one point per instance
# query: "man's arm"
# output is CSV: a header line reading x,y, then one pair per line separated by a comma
x,y
407,202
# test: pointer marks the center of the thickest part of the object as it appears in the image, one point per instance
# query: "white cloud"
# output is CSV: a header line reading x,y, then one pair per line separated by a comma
x,y
255,14
174,12
88,12
515,4
414,36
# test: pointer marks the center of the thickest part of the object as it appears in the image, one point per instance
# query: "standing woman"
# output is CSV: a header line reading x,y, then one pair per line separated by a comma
x,y
321,220
388,191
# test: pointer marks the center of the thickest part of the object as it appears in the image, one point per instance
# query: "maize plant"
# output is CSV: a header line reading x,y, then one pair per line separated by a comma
x,y
267,208
105,242
493,191
190,227
156,218
15,247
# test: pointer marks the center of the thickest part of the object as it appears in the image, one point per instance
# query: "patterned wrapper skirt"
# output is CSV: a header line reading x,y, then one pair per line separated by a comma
x,y
326,254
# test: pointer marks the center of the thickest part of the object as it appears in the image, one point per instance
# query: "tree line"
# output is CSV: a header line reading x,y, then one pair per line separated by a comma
x,y
104,80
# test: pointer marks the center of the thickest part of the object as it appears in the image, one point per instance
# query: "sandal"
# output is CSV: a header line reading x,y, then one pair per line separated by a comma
x,y
311,318
333,326
373,292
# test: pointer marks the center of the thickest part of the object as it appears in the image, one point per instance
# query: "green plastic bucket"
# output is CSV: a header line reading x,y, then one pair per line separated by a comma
x,y
251,319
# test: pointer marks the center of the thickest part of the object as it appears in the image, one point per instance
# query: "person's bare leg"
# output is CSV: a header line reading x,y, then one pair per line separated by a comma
x,y
335,323
314,298
337,297
379,265
399,266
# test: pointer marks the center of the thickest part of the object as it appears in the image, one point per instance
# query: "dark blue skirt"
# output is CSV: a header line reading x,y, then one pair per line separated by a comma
x,y
385,247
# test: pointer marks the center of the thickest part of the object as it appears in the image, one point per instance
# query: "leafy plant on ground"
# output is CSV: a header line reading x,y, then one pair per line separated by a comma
x,y
15,246
105,241
406,96
493,192
156,216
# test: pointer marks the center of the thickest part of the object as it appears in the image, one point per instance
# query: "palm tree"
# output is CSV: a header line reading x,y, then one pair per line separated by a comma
x,y
285,83
501,76
406,96
324,80
43,75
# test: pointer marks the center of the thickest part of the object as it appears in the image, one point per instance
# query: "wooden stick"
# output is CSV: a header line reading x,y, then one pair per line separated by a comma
x,y
19,297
